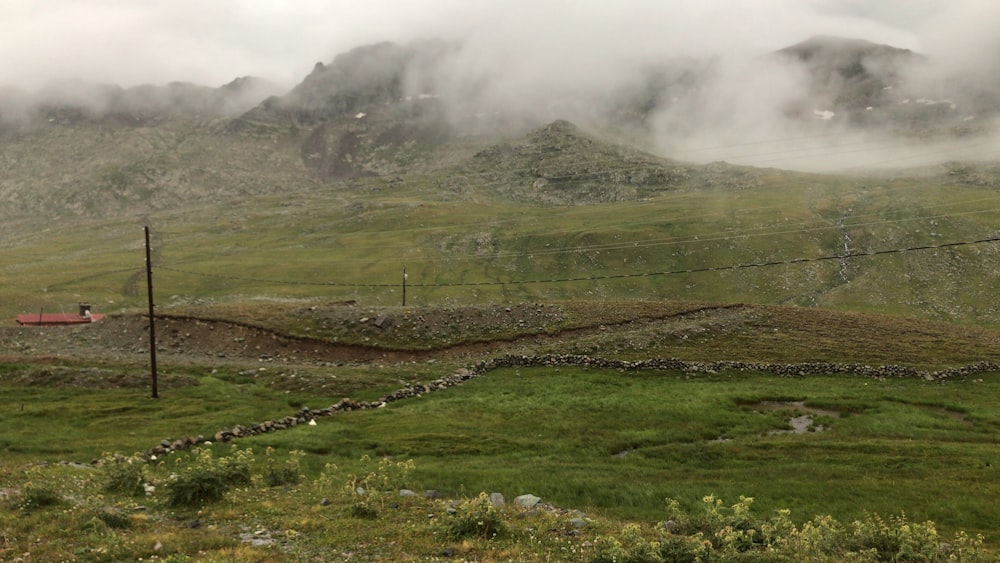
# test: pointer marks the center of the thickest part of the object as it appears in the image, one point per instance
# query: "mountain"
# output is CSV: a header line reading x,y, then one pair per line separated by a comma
x,y
387,110
876,87
853,74
398,155
76,101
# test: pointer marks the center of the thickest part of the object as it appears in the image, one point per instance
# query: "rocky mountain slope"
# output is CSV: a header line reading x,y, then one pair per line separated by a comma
x,y
383,156
390,110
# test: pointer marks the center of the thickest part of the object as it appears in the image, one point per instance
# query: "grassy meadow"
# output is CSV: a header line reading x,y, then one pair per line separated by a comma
x,y
612,444
353,241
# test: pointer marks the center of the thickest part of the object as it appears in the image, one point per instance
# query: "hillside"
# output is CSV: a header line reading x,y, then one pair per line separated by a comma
x,y
557,400
524,288
318,335
373,164
872,86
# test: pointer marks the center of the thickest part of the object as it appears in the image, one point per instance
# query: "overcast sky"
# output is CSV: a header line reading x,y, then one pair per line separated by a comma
x,y
210,42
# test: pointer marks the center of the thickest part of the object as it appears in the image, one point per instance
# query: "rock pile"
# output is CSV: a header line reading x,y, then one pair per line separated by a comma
x,y
785,370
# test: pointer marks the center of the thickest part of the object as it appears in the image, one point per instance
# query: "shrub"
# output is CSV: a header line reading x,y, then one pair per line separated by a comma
x,y
369,491
38,496
126,475
720,533
288,473
204,478
630,546
476,517
895,540
236,468
732,528
114,519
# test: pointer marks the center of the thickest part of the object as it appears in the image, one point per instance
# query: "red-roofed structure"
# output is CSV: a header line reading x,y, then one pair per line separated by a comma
x,y
57,319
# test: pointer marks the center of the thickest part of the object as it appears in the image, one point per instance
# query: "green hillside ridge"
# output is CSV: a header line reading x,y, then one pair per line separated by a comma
x,y
608,211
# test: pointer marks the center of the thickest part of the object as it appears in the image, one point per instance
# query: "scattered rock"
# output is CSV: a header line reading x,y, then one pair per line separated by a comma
x,y
527,501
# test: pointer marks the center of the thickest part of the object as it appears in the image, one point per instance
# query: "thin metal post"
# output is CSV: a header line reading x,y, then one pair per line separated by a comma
x,y
404,286
152,316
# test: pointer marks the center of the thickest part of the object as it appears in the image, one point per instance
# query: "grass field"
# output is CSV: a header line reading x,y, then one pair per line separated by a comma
x,y
609,443
354,240
764,266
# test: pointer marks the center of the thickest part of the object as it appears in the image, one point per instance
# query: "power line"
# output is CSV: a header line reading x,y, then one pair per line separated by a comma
x,y
721,268
700,238
851,221
743,266
273,282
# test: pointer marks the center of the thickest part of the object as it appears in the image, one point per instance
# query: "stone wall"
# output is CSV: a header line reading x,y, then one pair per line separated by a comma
x,y
307,415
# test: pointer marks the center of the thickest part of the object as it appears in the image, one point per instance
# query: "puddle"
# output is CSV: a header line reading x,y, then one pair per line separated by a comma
x,y
798,424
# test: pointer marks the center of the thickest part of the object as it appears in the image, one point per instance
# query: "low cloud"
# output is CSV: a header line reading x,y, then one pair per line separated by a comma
x,y
529,59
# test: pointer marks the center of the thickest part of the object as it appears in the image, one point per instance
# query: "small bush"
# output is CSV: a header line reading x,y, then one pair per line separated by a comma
x,y
477,518
236,468
895,540
720,533
288,473
114,519
196,487
204,478
369,491
630,546
125,475
38,496
364,510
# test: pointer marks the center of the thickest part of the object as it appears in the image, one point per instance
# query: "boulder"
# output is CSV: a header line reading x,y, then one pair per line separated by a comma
x,y
527,501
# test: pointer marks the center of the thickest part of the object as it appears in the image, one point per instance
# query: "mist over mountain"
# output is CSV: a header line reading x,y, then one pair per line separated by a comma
x,y
78,100
390,110
848,91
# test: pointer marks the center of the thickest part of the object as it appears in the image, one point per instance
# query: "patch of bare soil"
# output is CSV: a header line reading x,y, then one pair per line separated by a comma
x,y
124,339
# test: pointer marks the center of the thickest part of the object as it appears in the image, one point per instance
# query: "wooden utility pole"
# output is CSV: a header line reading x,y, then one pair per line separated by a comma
x,y
152,320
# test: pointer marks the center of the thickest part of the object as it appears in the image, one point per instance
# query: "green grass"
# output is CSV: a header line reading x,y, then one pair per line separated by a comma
x,y
359,236
79,424
607,442
556,433
611,443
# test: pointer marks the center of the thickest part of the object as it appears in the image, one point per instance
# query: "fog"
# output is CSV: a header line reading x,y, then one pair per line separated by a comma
x,y
541,59
157,41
